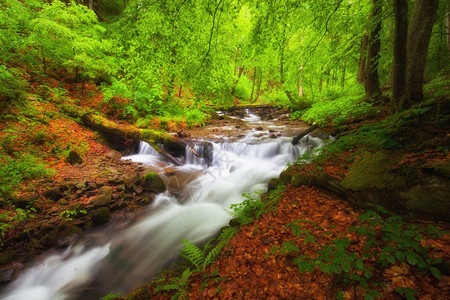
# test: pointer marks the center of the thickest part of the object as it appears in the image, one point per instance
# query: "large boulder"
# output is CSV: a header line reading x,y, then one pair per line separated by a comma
x,y
152,182
75,157
429,198
103,197
373,170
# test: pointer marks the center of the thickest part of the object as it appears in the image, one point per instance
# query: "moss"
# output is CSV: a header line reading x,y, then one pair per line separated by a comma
x,y
152,182
7,256
372,170
100,216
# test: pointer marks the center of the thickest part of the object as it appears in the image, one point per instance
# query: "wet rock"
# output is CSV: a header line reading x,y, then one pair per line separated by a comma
x,y
299,180
130,181
114,155
137,189
169,171
53,194
24,202
65,234
115,181
273,136
286,176
75,157
430,198
259,129
274,183
152,182
7,256
91,193
103,196
100,216
438,168
6,274
91,186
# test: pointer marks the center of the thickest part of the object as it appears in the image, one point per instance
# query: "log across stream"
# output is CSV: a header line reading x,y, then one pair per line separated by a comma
x,y
118,260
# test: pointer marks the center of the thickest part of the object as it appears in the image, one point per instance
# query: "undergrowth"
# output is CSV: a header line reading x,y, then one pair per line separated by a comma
x,y
387,241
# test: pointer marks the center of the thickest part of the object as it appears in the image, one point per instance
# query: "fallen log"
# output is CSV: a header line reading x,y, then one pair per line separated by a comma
x,y
299,136
153,137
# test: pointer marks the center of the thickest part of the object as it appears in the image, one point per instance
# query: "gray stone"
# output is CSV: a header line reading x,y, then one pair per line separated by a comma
x,y
103,196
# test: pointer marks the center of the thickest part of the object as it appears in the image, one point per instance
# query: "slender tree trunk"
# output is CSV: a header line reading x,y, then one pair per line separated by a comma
x,y
241,70
258,88
180,91
419,34
372,81
400,54
91,4
320,83
363,58
447,21
44,65
253,82
343,73
300,83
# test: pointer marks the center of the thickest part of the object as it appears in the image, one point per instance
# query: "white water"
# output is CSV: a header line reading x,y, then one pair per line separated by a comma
x,y
133,256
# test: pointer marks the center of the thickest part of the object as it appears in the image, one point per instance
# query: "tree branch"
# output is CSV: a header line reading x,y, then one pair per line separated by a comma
x,y
210,37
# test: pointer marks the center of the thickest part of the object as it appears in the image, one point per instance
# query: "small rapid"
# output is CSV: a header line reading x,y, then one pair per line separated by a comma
x,y
128,258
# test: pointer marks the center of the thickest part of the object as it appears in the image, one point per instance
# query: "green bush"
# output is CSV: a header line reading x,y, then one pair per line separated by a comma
x,y
337,111
14,171
243,88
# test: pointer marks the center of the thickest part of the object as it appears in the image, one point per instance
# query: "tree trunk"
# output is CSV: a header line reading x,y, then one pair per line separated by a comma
x,y
343,73
400,53
372,82
258,88
320,84
300,83
241,70
419,34
253,83
447,21
363,58
91,4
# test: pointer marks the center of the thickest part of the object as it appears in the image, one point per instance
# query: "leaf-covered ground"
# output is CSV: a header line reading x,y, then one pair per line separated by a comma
x,y
250,269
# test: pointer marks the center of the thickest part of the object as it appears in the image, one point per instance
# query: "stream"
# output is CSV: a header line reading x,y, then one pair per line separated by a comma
x,y
118,259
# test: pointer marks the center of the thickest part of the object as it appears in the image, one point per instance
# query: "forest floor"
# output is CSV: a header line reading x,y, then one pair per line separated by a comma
x,y
261,260
306,229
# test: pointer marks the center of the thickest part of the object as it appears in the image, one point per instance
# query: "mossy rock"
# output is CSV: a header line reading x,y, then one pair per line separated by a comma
x,y
438,168
153,182
7,257
299,180
100,216
372,170
75,157
430,198
274,183
286,176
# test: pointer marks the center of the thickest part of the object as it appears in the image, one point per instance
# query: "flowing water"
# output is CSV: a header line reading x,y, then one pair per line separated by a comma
x,y
116,259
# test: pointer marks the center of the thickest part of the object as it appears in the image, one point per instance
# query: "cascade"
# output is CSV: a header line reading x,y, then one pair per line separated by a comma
x,y
124,259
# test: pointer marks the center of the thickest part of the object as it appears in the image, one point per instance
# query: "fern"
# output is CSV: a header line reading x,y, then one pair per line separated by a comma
x,y
194,254
177,284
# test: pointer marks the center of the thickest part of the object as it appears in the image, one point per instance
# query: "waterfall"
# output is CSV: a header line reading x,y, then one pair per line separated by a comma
x,y
134,256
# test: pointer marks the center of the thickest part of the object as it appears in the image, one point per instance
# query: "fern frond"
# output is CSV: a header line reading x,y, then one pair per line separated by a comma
x,y
193,254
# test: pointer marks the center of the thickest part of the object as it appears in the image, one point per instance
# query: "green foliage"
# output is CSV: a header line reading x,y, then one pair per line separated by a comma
x,y
389,240
251,208
14,216
68,215
13,171
337,111
200,258
176,284
111,296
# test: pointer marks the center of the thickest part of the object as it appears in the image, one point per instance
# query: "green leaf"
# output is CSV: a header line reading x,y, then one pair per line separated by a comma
x,y
411,258
436,273
400,256
359,264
